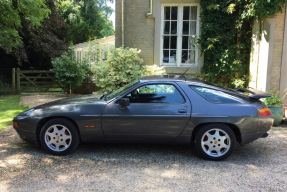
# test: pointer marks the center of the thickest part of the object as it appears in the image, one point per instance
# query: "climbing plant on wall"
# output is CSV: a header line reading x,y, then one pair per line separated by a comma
x,y
225,39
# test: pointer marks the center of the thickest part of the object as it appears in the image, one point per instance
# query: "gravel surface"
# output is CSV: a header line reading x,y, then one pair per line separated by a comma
x,y
258,166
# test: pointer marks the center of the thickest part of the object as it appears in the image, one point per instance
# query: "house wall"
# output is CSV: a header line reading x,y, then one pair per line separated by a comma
x,y
138,29
267,64
144,32
283,80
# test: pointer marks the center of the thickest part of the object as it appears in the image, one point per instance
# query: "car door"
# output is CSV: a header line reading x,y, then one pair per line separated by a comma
x,y
158,110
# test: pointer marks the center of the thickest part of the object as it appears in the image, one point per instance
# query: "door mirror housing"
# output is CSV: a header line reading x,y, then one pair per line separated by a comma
x,y
123,103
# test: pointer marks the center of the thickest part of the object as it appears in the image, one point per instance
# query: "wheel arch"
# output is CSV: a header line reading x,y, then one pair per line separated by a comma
x,y
233,127
42,122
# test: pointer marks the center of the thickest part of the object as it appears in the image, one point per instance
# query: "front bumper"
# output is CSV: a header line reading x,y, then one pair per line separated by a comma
x,y
26,128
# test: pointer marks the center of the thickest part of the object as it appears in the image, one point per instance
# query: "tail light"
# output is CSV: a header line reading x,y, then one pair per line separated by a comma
x,y
15,125
265,112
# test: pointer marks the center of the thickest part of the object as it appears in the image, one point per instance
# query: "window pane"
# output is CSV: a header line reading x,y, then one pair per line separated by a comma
x,y
166,27
191,56
165,56
172,56
173,27
216,96
193,13
185,42
173,42
174,13
158,93
193,28
186,13
192,43
167,13
185,27
166,42
184,56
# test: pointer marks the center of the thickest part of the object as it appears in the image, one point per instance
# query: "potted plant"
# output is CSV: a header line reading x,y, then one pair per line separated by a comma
x,y
275,105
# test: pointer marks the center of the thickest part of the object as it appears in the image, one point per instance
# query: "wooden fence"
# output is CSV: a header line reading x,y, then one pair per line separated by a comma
x,y
34,81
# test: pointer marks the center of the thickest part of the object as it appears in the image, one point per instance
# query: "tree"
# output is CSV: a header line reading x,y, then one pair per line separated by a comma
x,y
88,19
38,44
12,15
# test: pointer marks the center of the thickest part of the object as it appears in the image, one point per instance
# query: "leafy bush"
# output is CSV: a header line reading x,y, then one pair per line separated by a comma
x,y
68,72
273,100
122,67
153,70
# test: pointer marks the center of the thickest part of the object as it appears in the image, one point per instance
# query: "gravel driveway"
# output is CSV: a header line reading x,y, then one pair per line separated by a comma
x,y
258,166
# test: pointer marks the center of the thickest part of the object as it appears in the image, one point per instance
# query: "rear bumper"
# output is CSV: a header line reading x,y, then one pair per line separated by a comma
x,y
264,125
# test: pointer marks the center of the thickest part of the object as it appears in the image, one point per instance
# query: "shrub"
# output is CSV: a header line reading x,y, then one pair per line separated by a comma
x,y
274,100
68,72
122,67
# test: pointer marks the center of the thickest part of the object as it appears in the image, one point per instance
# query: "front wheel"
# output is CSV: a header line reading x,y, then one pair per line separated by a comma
x,y
59,137
214,142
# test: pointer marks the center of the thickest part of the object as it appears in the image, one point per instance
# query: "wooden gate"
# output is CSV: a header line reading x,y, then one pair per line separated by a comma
x,y
34,81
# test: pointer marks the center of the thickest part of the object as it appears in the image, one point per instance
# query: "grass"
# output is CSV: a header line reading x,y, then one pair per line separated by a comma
x,y
9,108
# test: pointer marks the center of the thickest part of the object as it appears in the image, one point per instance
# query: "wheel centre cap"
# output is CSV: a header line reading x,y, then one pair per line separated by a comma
x,y
58,137
215,142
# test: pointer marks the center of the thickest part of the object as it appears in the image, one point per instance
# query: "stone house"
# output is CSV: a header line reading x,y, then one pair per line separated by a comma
x,y
164,30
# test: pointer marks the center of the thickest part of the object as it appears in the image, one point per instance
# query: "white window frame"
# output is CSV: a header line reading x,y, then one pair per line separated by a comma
x,y
179,35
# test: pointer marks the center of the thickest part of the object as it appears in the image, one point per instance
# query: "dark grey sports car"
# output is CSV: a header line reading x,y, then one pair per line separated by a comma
x,y
165,109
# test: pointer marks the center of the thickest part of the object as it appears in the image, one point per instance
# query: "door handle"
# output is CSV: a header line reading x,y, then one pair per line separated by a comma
x,y
182,110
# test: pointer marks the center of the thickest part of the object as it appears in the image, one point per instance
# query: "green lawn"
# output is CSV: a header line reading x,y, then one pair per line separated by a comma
x,y
9,108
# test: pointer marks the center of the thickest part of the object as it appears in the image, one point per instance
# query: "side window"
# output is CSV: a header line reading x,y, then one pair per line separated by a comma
x,y
156,93
216,96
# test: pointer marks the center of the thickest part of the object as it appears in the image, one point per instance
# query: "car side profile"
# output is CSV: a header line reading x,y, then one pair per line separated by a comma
x,y
155,109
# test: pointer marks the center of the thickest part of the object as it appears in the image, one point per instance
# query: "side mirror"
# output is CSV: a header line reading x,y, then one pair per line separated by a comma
x,y
123,103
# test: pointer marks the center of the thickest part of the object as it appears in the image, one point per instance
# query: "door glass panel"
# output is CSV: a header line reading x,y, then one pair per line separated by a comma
x,y
185,42
166,56
191,56
166,27
173,42
184,55
173,27
156,93
185,27
193,28
193,13
167,13
185,13
172,58
166,42
174,13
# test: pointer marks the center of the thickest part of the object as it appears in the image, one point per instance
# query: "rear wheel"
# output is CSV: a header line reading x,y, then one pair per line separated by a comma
x,y
59,137
215,142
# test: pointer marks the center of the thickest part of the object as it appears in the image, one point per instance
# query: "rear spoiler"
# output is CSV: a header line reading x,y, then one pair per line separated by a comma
x,y
254,95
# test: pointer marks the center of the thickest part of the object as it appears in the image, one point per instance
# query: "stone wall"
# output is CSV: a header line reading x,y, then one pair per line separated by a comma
x,y
138,28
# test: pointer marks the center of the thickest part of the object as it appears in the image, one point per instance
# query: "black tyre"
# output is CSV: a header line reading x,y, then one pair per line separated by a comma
x,y
59,137
214,142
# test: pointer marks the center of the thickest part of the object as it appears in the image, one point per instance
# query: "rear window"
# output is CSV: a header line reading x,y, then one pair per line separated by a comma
x,y
216,96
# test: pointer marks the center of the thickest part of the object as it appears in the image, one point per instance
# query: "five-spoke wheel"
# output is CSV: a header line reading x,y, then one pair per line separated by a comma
x,y
215,141
59,137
